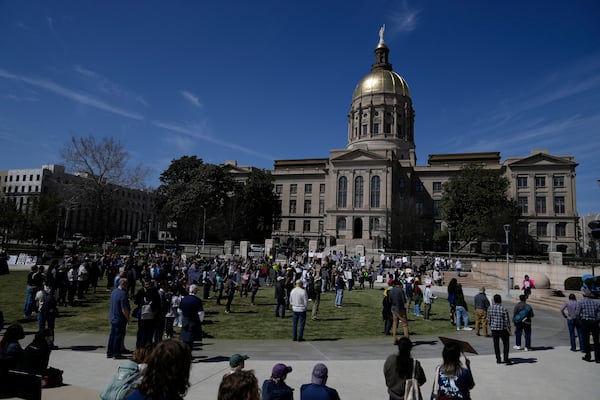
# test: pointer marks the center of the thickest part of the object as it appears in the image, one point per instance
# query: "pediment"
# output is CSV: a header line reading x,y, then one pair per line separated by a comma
x,y
542,159
357,155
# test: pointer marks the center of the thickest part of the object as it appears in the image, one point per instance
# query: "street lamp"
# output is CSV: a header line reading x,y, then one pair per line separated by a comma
x,y
203,226
149,226
506,232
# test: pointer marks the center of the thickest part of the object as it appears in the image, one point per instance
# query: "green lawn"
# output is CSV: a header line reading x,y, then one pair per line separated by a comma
x,y
360,317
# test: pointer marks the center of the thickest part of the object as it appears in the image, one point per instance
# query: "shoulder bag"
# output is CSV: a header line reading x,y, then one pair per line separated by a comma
x,y
411,386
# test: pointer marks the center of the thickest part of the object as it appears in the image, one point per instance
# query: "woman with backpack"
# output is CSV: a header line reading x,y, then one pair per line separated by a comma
x,y
400,367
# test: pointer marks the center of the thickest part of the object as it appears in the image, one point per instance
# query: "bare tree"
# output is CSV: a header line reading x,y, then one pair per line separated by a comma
x,y
102,168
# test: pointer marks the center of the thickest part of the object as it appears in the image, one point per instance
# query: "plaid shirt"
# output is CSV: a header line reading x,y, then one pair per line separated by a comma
x,y
588,309
497,317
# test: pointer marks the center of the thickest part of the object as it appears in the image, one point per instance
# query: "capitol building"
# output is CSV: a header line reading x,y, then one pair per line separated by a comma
x,y
372,193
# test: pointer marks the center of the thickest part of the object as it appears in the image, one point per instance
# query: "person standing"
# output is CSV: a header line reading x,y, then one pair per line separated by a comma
x,y
572,321
275,388
428,298
481,306
453,379
192,314
499,323
528,284
588,311
400,367
230,287
458,267
317,389
462,310
452,299
398,299
316,297
119,316
34,284
149,305
340,285
522,315
299,302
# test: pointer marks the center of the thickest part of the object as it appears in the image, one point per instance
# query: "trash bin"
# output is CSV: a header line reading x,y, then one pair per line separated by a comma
x,y
512,282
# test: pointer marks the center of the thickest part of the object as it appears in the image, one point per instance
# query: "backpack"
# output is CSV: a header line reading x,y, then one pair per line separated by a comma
x,y
521,315
48,303
124,381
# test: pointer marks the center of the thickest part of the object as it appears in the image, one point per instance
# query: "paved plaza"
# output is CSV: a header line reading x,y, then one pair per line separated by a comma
x,y
550,371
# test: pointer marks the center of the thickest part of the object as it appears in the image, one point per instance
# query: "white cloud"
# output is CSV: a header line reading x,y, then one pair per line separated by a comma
x,y
406,19
107,86
70,94
196,132
191,98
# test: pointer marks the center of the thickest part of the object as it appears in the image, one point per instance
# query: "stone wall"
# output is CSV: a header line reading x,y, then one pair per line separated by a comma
x,y
546,276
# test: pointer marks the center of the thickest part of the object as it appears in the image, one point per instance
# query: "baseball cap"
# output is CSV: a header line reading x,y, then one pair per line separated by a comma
x,y
280,370
237,359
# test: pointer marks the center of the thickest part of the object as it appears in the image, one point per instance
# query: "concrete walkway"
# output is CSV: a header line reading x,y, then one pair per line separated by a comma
x,y
550,371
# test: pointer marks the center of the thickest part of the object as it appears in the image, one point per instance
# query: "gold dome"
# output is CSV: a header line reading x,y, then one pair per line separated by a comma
x,y
381,81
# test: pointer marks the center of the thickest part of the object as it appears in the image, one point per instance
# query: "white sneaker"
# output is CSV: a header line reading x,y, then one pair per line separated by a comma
x,y
517,347
467,328
458,329
527,349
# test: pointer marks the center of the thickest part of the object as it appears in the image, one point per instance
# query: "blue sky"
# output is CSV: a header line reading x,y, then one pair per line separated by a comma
x,y
255,81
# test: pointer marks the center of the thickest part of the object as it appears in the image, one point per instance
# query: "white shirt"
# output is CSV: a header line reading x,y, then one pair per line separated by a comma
x,y
298,299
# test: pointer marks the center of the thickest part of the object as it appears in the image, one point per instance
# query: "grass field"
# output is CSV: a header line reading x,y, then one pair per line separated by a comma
x,y
360,317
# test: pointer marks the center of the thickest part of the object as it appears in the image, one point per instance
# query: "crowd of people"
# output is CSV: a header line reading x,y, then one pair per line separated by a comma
x,y
169,296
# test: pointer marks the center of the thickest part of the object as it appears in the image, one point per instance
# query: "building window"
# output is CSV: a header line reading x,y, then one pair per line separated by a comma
x,y
540,204
437,187
280,205
402,184
277,225
522,203
358,191
307,206
292,225
364,129
376,129
279,188
387,128
306,226
321,226
542,228
293,188
322,188
341,223
321,206
419,187
342,196
374,224
419,206
292,206
375,191
308,188
559,204
540,181
561,229
37,177
436,208
524,228
558,181
521,181
17,178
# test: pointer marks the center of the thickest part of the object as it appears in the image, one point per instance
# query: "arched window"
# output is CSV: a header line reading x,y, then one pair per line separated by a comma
x,y
375,191
341,223
358,191
342,192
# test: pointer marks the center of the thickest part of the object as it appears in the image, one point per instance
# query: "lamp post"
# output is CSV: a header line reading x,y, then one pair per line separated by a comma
x,y
449,244
149,226
506,232
203,226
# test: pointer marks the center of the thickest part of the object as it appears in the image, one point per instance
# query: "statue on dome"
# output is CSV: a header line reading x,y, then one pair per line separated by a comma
x,y
381,32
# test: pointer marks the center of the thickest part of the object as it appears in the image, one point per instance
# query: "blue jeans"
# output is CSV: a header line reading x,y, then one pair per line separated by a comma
x,y
280,306
572,329
339,297
299,318
29,301
461,316
417,309
520,328
116,338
